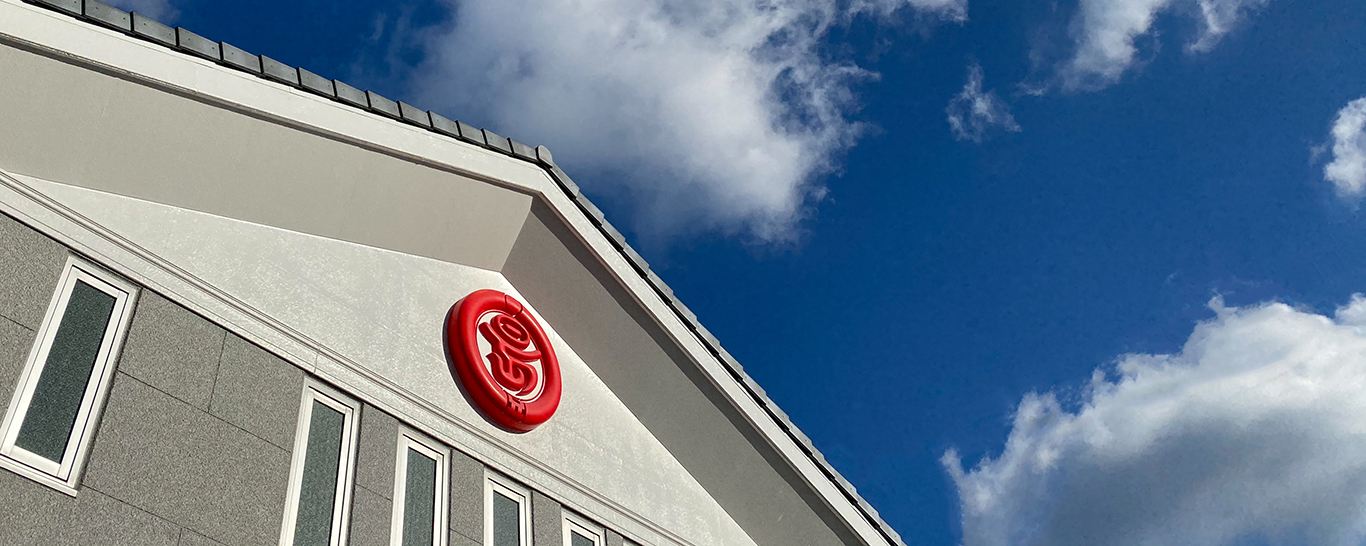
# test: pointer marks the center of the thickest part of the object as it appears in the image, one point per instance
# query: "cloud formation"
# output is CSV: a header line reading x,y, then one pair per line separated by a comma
x,y
161,10
1105,32
1253,433
717,114
1347,171
973,114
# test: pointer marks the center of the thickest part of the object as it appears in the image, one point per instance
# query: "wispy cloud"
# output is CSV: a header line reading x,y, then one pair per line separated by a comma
x,y
1106,31
973,114
1347,171
1253,433
713,114
161,10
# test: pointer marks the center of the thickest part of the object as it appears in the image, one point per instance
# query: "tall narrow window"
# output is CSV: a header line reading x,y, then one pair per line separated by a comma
x,y
420,492
47,428
581,532
507,513
323,468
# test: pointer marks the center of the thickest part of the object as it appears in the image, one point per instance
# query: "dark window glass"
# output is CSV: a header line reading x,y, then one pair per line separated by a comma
x,y
507,521
318,492
61,385
576,539
419,500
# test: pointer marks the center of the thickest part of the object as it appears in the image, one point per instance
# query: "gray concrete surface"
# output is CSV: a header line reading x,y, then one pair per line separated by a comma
x,y
173,350
30,266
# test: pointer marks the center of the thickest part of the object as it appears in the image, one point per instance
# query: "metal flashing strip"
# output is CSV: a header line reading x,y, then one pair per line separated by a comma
x,y
238,58
280,72
143,27
109,16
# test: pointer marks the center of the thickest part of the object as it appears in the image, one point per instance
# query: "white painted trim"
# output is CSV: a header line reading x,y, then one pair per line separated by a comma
x,y
510,489
64,475
582,527
316,391
410,439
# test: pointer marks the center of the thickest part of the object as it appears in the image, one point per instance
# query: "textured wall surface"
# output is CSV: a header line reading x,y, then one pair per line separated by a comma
x,y
546,527
194,444
384,310
142,142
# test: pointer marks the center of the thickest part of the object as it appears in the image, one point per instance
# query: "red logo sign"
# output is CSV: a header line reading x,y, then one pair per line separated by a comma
x,y
503,359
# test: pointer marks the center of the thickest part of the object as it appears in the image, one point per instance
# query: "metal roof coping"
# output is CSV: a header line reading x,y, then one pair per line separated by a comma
x,y
351,95
69,6
151,29
543,155
414,115
470,133
642,266
688,315
663,289
565,182
381,105
317,84
108,16
497,142
237,57
197,45
443,125
707,336
522,151
280,72
618,240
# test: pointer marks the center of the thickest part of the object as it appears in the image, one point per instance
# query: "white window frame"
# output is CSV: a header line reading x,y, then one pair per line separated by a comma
x,y
575,524
65,475
410,439
341,510
494,482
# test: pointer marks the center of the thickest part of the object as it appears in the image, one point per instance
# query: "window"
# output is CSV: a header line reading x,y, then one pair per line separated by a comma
x,y
420,492
580,532
51,419
507,513
319,501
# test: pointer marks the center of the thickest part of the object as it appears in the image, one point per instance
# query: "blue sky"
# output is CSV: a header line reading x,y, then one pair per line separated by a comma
x,y
1165,192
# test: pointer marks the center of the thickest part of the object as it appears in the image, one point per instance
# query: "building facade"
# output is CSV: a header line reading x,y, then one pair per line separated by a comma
x,y
241,303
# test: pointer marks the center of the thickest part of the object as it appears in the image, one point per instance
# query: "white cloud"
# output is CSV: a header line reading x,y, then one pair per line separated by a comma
x,y
972,113
1347,171
719,114
161,10
1105,32
1254,433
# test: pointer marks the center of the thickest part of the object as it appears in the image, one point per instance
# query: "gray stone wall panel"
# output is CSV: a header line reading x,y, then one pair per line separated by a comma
x,y
28,511
173,350
467,497
458,539
168,458
100,519
191,538
546,527
370,519
377,448
16,342
258,392
30,265
35,514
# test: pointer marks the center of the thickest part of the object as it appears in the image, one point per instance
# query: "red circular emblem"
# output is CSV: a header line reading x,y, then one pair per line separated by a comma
x,y
504,360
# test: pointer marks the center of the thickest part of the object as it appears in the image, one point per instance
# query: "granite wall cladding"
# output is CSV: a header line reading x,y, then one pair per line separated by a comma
x,y
194,444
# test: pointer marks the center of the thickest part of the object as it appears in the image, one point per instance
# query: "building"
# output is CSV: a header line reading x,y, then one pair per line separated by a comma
x,y
244,304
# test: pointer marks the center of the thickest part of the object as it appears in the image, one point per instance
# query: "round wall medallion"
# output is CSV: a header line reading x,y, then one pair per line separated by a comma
x,y
504,360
